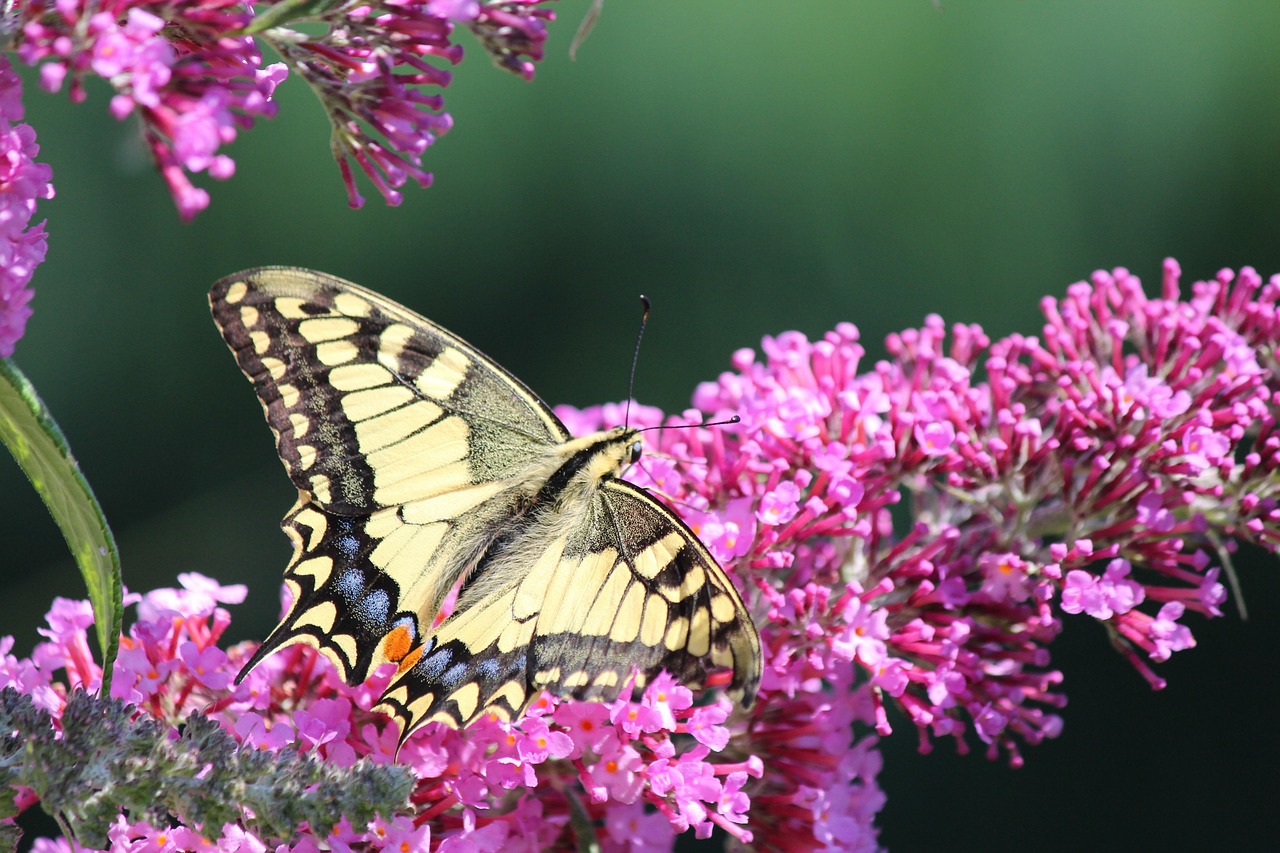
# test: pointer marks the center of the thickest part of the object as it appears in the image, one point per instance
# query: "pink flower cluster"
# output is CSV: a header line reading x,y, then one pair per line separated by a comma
x,y
645,768
931,527
366,70
178,66
22,182
194,75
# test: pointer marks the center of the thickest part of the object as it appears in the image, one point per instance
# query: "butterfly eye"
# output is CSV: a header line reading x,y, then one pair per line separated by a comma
x,y
634,456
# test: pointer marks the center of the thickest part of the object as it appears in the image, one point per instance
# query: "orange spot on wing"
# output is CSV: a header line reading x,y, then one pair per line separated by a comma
x,y
409,660
397,644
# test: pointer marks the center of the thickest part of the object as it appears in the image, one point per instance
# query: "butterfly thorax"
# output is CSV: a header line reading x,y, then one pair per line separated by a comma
x,y
552,495
581,464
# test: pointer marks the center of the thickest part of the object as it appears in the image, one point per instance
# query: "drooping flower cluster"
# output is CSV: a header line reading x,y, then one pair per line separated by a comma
x,y
178,66
193,72
913,534
22,182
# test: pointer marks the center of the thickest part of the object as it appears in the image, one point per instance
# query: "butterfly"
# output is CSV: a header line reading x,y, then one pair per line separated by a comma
x,y
424,470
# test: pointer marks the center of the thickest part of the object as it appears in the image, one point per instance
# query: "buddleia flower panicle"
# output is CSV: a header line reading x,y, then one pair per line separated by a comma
x,y
178,67
912,532
22,182
652,759
194,74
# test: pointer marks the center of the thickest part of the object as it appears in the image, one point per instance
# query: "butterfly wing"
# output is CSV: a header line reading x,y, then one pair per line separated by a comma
x,y
400,438
627,589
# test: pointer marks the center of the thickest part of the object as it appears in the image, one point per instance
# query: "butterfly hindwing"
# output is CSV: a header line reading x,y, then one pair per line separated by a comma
x,y
423,467
343,606
629,592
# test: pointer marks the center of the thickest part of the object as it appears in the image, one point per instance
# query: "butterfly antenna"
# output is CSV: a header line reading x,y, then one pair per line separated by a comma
x,y
727,421
635,357
733,420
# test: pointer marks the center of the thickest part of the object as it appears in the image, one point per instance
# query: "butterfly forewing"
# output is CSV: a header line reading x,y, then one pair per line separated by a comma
x,y
371,404
420,465
393,430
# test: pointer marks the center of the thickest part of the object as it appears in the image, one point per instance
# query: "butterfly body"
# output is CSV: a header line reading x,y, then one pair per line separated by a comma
x,y
424,468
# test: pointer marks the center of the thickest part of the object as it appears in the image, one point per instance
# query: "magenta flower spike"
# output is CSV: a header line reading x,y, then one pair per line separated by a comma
x,y
22,182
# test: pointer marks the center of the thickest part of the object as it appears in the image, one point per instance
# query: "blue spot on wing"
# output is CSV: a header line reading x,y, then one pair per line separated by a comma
x,y
454,676
348,545
351,584
375,607
431,665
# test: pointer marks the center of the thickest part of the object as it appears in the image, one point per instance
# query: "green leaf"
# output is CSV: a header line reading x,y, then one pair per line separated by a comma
x,y
29,431
584,828
288,11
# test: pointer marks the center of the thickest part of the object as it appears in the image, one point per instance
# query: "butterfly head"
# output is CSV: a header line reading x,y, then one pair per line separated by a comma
x,y
620,448
600,455
627,448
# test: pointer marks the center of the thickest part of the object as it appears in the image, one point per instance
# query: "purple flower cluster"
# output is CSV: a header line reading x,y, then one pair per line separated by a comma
x,y
193,73
22,181
912,534
178,66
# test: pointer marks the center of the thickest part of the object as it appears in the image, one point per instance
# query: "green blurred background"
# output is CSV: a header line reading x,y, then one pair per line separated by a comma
x,y
752,167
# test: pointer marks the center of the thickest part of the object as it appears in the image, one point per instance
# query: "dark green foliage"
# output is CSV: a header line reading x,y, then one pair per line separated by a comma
x,y
112,758
10,835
